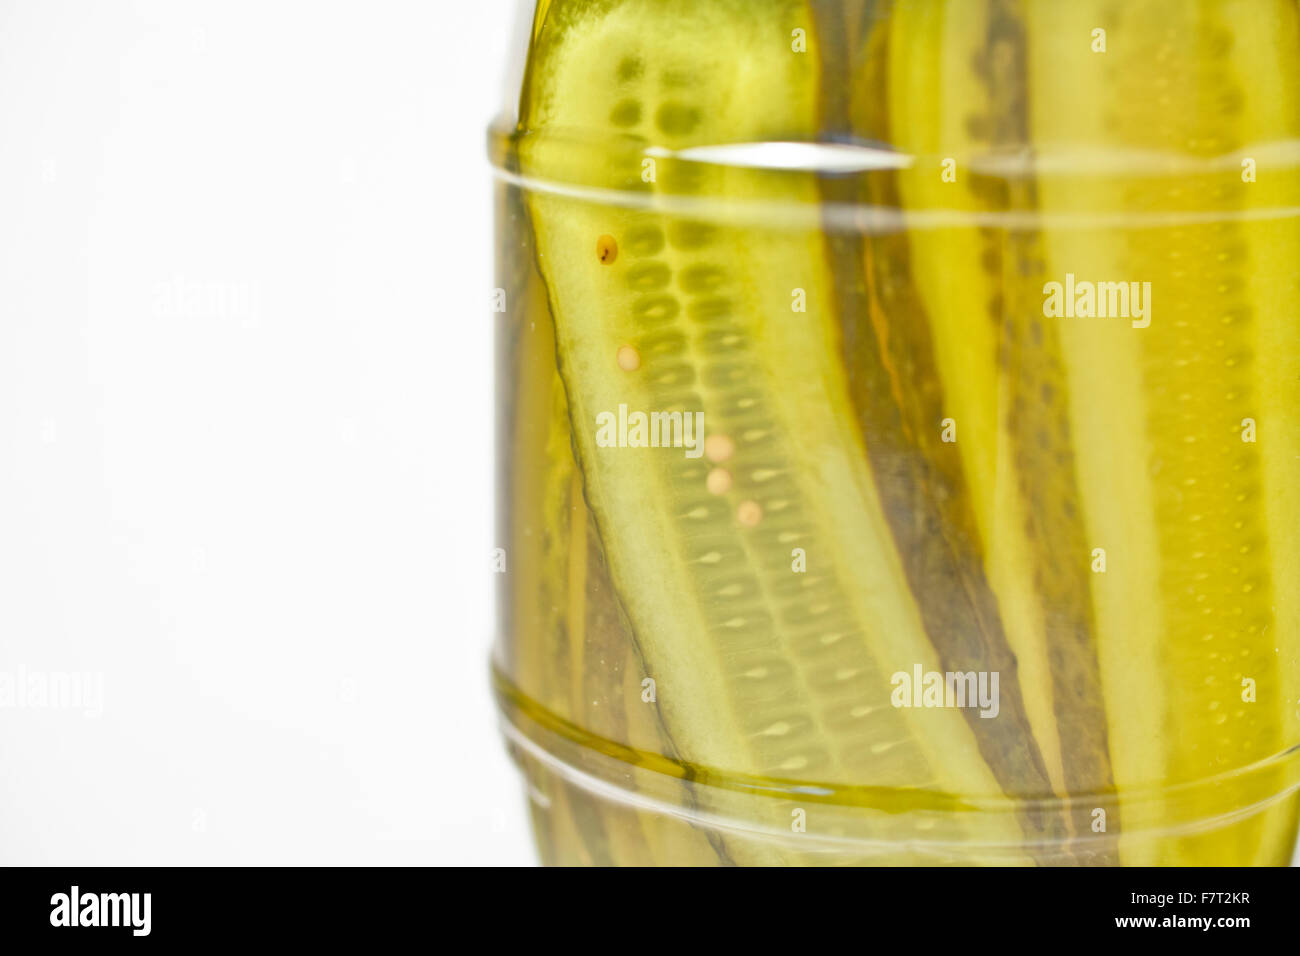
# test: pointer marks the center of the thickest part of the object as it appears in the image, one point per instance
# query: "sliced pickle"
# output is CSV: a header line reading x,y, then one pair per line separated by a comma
x,y
923,354
1199,595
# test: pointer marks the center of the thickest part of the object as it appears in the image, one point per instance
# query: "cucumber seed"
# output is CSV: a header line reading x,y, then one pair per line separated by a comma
x,y
749,513
606,250
629,359
718,448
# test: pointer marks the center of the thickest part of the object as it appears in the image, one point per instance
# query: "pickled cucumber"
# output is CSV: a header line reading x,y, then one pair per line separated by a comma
x,y
1198,642
904,323
963,297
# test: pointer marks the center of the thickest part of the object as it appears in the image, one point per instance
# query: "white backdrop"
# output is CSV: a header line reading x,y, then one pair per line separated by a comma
x,y
245,433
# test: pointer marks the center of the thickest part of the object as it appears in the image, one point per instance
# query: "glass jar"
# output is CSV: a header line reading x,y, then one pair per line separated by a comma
x,y
898,444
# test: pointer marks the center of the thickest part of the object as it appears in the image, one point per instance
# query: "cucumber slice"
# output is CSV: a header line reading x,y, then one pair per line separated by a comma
x,y
763,673
955,101
1200,592
567,641
927,353
933,103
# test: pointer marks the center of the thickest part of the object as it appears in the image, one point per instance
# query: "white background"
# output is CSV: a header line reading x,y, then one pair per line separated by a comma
x,y
245,431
